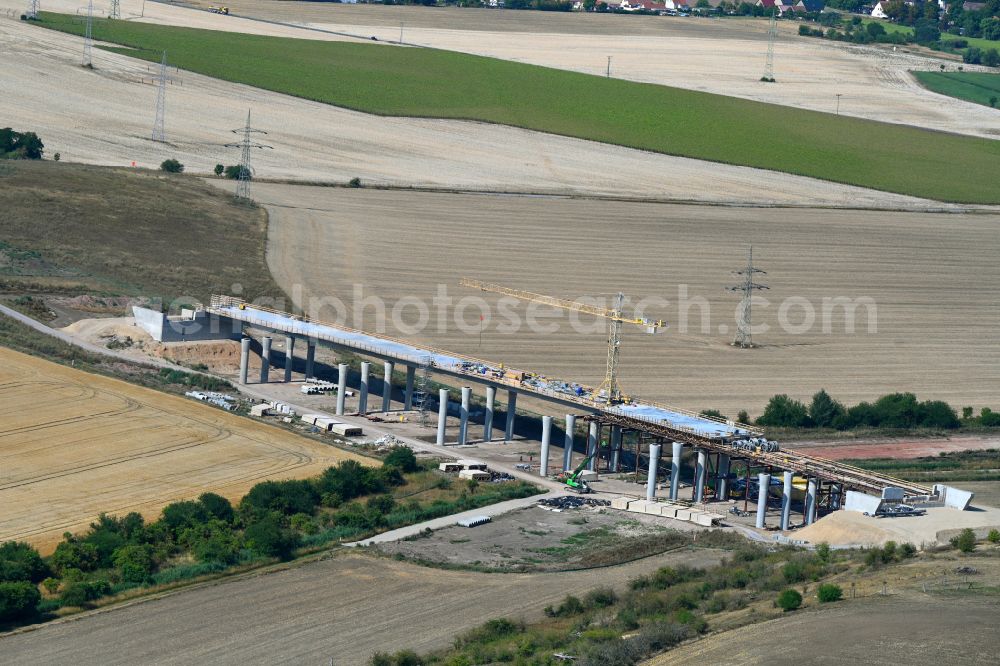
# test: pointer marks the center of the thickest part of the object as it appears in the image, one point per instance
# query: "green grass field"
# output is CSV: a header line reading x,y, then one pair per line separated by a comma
x,y
391,80
976,87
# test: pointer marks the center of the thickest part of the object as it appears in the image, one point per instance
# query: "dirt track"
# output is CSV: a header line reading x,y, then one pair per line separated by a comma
x,y
73,444
724,56
345,608
932,278
106,116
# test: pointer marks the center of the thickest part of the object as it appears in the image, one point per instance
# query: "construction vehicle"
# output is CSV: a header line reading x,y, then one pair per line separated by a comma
x,y
219,10
572,479
608,391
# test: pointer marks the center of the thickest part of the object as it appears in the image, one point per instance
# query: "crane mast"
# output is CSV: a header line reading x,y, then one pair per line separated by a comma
x,y
615,316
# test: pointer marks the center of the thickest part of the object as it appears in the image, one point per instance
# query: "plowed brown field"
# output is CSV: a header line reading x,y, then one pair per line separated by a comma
x,y
931,278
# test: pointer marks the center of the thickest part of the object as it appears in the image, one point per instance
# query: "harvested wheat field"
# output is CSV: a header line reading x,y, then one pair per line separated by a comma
x,y
931,278
105,116
720,56
73,445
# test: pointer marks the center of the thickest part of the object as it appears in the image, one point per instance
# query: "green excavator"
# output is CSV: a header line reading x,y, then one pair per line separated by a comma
x,y
572,479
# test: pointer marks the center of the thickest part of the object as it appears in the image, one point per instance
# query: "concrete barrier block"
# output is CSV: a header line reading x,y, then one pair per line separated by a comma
x,y
620,503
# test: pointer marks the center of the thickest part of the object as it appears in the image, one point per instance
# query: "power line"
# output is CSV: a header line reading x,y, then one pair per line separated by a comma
x,y
33,8
245,146
159,131
116,10
743,338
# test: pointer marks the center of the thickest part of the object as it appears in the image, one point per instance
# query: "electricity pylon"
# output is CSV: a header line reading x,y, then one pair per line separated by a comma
x,y
743,339
159,131
772,34
245,146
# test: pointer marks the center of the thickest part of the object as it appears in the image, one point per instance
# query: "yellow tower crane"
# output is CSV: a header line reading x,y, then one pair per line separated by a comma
x,y
609,387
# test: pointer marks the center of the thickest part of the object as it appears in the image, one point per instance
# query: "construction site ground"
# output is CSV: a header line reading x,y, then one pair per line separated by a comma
x,y
74,445
345,607
537,539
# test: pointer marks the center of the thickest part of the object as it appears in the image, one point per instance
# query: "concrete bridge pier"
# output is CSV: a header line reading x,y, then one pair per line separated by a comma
x,y
508,434
386,386
366,369
810,505
265,358
244,359
763,484
411,375
463,414
341,388
310,358
722,486
491,399
654,461
289,358
568,446
543,463
616,447
700,466
442,415
593,444
786,500
675,468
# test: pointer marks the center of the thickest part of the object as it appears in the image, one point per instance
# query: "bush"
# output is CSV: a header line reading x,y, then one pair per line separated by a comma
x,y
219,169
171,166
134,562
217,506
965,541
181,515
601,597
784,412
21,562
72,554
20,146
402,457
824,411
569,607
829,592
18,600
233,172
267,537
354,182
288,497
490,631
789,600
78,594
993,536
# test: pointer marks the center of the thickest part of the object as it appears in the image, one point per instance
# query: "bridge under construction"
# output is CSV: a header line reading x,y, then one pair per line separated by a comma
x,y
717,443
